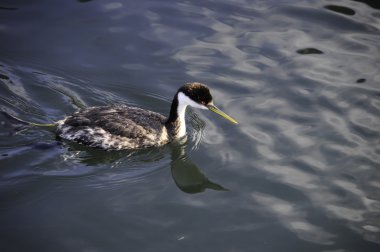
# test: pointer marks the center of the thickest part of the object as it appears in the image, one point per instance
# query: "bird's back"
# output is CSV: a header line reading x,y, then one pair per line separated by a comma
x,y
115,127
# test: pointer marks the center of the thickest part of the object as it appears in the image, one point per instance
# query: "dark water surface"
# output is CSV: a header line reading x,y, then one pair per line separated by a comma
x,y
301,172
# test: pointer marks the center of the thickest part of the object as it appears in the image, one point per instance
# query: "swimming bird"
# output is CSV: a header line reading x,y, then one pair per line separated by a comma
x,y
123,127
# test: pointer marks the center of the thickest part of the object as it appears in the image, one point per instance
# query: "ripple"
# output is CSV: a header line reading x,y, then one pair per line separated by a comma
x,y
13,82
350,214
340,9
294,219
331,19
370,3
98,168
258,134
8,8
4,77
364,119
361,80
371,228
113,6
196,131
309,51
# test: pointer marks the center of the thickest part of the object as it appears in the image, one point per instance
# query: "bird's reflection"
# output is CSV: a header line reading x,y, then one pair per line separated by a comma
x,y
187,176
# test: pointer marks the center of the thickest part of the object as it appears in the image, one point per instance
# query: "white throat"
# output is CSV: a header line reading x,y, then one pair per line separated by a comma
x,y
183,102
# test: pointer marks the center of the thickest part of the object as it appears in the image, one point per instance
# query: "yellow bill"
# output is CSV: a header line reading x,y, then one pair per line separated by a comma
x,y
214,109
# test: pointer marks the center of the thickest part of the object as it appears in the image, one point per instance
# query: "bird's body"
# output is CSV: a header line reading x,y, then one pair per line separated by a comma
x,y
115,127
124,127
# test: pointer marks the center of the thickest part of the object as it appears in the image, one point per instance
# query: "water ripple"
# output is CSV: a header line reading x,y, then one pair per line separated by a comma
x,y
295,219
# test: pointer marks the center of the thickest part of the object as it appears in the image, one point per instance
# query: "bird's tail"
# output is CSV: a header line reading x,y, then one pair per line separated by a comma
x,y
21,125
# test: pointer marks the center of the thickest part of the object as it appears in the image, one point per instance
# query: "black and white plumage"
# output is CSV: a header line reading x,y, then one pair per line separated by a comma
x,y
124,127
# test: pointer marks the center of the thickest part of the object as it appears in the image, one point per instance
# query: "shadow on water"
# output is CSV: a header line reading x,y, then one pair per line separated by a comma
x,y
187,175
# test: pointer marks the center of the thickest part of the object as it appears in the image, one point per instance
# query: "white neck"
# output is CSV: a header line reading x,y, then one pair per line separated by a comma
x,y
183,102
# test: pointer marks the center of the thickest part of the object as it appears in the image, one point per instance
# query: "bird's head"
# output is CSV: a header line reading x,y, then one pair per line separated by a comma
x,y
198,95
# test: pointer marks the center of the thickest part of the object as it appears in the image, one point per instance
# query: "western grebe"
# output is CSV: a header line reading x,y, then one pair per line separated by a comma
x,y
123,127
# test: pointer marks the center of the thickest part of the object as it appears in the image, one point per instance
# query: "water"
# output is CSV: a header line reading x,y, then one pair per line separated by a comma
x,y
299,173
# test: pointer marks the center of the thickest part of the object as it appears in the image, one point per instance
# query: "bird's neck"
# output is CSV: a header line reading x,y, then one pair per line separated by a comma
x,y
176,123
